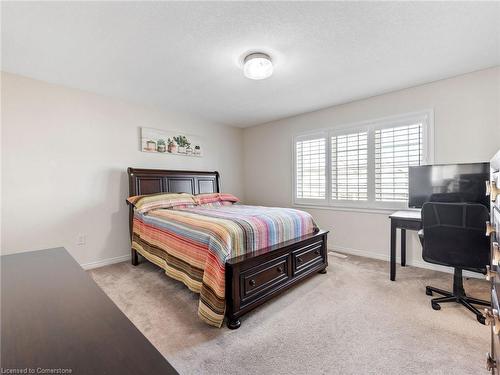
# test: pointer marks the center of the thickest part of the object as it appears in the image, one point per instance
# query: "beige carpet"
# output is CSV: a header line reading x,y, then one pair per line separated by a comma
x,y
352,320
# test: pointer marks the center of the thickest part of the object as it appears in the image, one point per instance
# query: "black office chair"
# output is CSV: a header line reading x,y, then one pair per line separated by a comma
x,y
453,235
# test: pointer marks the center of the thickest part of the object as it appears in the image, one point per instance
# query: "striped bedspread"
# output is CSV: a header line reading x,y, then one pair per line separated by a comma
x,y
193,244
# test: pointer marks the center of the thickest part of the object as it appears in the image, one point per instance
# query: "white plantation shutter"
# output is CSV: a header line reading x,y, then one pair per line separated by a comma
x,y
349,162
363,165
396,148
310,170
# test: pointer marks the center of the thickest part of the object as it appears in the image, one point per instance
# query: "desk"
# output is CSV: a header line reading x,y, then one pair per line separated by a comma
x,y
54,316
408,219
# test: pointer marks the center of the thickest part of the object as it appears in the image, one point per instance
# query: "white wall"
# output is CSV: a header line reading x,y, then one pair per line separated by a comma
x,y
467,129
64,159
65,152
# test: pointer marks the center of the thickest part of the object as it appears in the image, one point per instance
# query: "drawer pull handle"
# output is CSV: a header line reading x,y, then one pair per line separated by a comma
x,y
495,258
299,260
492,190
491,318
279,269
489,229
489,273
252,282
490,362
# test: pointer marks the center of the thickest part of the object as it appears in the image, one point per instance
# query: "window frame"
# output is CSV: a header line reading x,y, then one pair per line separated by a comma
x,y
370,126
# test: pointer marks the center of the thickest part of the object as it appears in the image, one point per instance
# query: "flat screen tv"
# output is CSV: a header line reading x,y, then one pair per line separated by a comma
x,y
448,183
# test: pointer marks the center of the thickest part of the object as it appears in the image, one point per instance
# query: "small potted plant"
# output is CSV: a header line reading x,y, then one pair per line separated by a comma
x,y
171,146
182,143
150,145
197,150
161,147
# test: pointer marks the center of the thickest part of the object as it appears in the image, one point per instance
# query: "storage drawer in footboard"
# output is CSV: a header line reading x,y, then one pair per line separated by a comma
x,y
307,257
252,279
258,280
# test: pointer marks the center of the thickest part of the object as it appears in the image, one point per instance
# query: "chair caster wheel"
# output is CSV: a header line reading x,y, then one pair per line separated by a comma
x,y
435,306
481,319
428,291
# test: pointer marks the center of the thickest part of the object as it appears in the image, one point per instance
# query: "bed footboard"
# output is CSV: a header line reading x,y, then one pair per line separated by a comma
x,y
253,279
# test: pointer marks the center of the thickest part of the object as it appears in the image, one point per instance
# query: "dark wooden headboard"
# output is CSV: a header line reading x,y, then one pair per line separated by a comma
x,y
153,181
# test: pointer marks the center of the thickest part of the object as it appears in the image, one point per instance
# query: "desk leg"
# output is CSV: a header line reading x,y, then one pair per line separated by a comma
x,y
393,250
403,247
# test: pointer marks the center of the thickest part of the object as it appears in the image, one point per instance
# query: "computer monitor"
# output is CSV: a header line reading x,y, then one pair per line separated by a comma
x,y
448,183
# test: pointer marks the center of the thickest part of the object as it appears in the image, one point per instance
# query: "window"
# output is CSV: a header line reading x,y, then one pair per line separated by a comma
x,y
310,168
350,166
362,165
395,150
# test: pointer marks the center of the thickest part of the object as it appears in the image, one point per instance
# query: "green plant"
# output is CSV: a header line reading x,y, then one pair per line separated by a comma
x,y
197,147
182,141
161,142
170,142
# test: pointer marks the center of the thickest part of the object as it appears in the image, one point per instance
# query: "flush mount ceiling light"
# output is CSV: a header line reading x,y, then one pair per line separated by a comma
x,y
257,66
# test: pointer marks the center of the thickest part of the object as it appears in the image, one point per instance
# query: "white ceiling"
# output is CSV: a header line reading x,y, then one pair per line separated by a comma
x,y
185,56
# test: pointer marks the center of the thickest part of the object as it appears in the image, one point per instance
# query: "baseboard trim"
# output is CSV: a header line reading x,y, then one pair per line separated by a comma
x,y
105,262
386,257
340,249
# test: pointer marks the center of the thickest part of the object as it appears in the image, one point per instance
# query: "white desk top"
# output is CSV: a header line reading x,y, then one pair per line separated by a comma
x,y
414,214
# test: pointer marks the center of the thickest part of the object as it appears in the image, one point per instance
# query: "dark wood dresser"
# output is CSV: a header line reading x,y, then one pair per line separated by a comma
x,y
493,230
55,319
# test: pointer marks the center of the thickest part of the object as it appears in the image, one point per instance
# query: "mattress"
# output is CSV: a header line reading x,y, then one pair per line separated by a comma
x,y
192,244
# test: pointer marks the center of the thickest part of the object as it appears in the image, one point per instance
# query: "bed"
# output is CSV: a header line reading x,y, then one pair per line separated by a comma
x,y
232,276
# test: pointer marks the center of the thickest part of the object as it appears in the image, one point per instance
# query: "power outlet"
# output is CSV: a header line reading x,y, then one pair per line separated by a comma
x,y
81,239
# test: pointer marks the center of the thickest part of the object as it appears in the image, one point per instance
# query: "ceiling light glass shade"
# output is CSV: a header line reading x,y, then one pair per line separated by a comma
x,y
257,66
